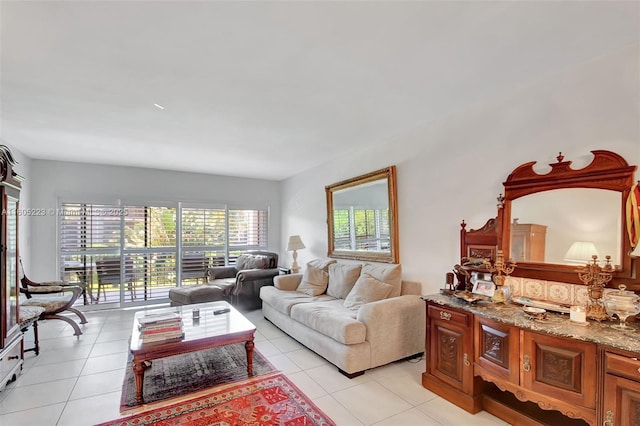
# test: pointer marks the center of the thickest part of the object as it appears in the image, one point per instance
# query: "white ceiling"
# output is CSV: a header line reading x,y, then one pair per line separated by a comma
x,y
269,89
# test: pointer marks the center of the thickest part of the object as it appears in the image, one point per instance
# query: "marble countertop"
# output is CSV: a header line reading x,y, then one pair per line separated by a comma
x,y
555,323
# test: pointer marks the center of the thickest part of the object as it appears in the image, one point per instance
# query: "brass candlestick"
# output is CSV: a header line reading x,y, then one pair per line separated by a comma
x,y
502,270
596,278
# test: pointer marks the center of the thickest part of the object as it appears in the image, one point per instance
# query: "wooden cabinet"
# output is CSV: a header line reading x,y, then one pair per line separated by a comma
x,y
496,349
621,406
555,373
449,357
10,335
560,369
528,242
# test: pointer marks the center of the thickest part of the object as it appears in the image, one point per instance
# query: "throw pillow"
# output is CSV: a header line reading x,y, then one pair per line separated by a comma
x,y
322,263
342,278
367,290
390,274
314,281
257,261
241,262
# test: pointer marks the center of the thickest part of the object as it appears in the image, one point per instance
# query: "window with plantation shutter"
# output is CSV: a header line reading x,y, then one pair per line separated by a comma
x,y
204,239
89,228
87,232
150,250
248,230
96,240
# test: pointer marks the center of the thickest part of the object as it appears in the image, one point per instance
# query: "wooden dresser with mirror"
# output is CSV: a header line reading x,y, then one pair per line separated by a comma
x,y
493,357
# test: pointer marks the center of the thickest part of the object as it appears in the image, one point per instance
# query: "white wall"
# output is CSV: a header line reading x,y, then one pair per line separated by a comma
x,y
54,180
454,169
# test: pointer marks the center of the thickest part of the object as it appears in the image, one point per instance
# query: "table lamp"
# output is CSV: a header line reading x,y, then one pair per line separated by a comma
x,y
295,243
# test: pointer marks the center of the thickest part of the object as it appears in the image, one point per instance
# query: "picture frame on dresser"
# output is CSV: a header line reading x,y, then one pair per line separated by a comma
x,y
485,288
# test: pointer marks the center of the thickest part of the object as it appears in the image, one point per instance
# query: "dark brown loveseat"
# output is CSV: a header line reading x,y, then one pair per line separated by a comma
x,y
240,283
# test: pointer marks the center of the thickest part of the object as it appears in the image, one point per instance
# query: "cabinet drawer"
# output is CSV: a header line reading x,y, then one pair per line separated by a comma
x,y
622,366
448,314
10,359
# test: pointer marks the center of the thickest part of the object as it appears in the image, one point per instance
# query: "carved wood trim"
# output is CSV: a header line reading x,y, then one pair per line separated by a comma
x,y
607,170
569,410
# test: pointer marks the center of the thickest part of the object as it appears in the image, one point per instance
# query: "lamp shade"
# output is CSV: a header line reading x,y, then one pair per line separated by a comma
x,y
580,252
295,243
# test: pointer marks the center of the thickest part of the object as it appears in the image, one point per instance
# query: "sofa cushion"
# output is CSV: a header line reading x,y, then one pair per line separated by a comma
x,y
252,261
283,301
342,278
322,263
390,274
366,290
332,319
314,281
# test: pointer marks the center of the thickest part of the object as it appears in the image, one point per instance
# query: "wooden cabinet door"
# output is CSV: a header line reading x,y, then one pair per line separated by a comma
x,y
563,369
496,349
450,347
621,401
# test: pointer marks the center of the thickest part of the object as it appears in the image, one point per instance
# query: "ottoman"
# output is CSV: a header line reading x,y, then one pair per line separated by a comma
x,y
198,293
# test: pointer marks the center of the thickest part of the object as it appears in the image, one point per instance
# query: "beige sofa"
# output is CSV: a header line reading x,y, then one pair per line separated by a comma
x,y
342,323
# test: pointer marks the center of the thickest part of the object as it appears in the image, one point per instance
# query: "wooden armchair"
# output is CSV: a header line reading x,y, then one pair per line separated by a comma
x,y
55,297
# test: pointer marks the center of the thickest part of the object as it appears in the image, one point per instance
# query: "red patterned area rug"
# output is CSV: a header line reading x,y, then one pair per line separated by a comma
x,y
266,400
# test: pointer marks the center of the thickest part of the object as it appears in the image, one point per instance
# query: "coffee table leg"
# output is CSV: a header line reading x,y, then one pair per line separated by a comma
x,y
249,347
138,370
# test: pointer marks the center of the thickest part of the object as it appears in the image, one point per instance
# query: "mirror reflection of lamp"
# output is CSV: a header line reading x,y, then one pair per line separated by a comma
x,y
580,253
295,243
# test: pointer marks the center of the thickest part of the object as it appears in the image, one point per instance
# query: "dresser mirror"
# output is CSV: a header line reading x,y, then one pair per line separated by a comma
x,y
544,214
558,219
362,217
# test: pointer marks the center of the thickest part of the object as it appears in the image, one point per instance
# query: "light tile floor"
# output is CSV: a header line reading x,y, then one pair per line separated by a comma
x,y
78,381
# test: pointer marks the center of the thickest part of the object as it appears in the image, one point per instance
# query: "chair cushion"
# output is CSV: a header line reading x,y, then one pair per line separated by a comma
x,y
314,281
332,319
366,290
390,274
27,313
49,303
342,278
54,283
45,289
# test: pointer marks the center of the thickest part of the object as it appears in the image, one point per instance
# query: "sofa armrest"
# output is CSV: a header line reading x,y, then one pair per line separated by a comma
x,y
288,282
256,274
221,272
395,327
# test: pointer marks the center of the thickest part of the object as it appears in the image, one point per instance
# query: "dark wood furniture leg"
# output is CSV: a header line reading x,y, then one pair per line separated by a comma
x,y
138,370
249,347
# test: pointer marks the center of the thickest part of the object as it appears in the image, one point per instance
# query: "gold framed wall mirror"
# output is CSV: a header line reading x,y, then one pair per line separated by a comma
x,y
566,206
362,218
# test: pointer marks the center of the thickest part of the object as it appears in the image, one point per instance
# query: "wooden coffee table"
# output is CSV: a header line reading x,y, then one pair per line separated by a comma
x,y
208,332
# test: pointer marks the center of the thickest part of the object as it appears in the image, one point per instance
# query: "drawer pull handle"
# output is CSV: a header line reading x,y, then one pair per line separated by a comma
x,y
13,357
639,370
466,360
445,315
526,364
610,417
